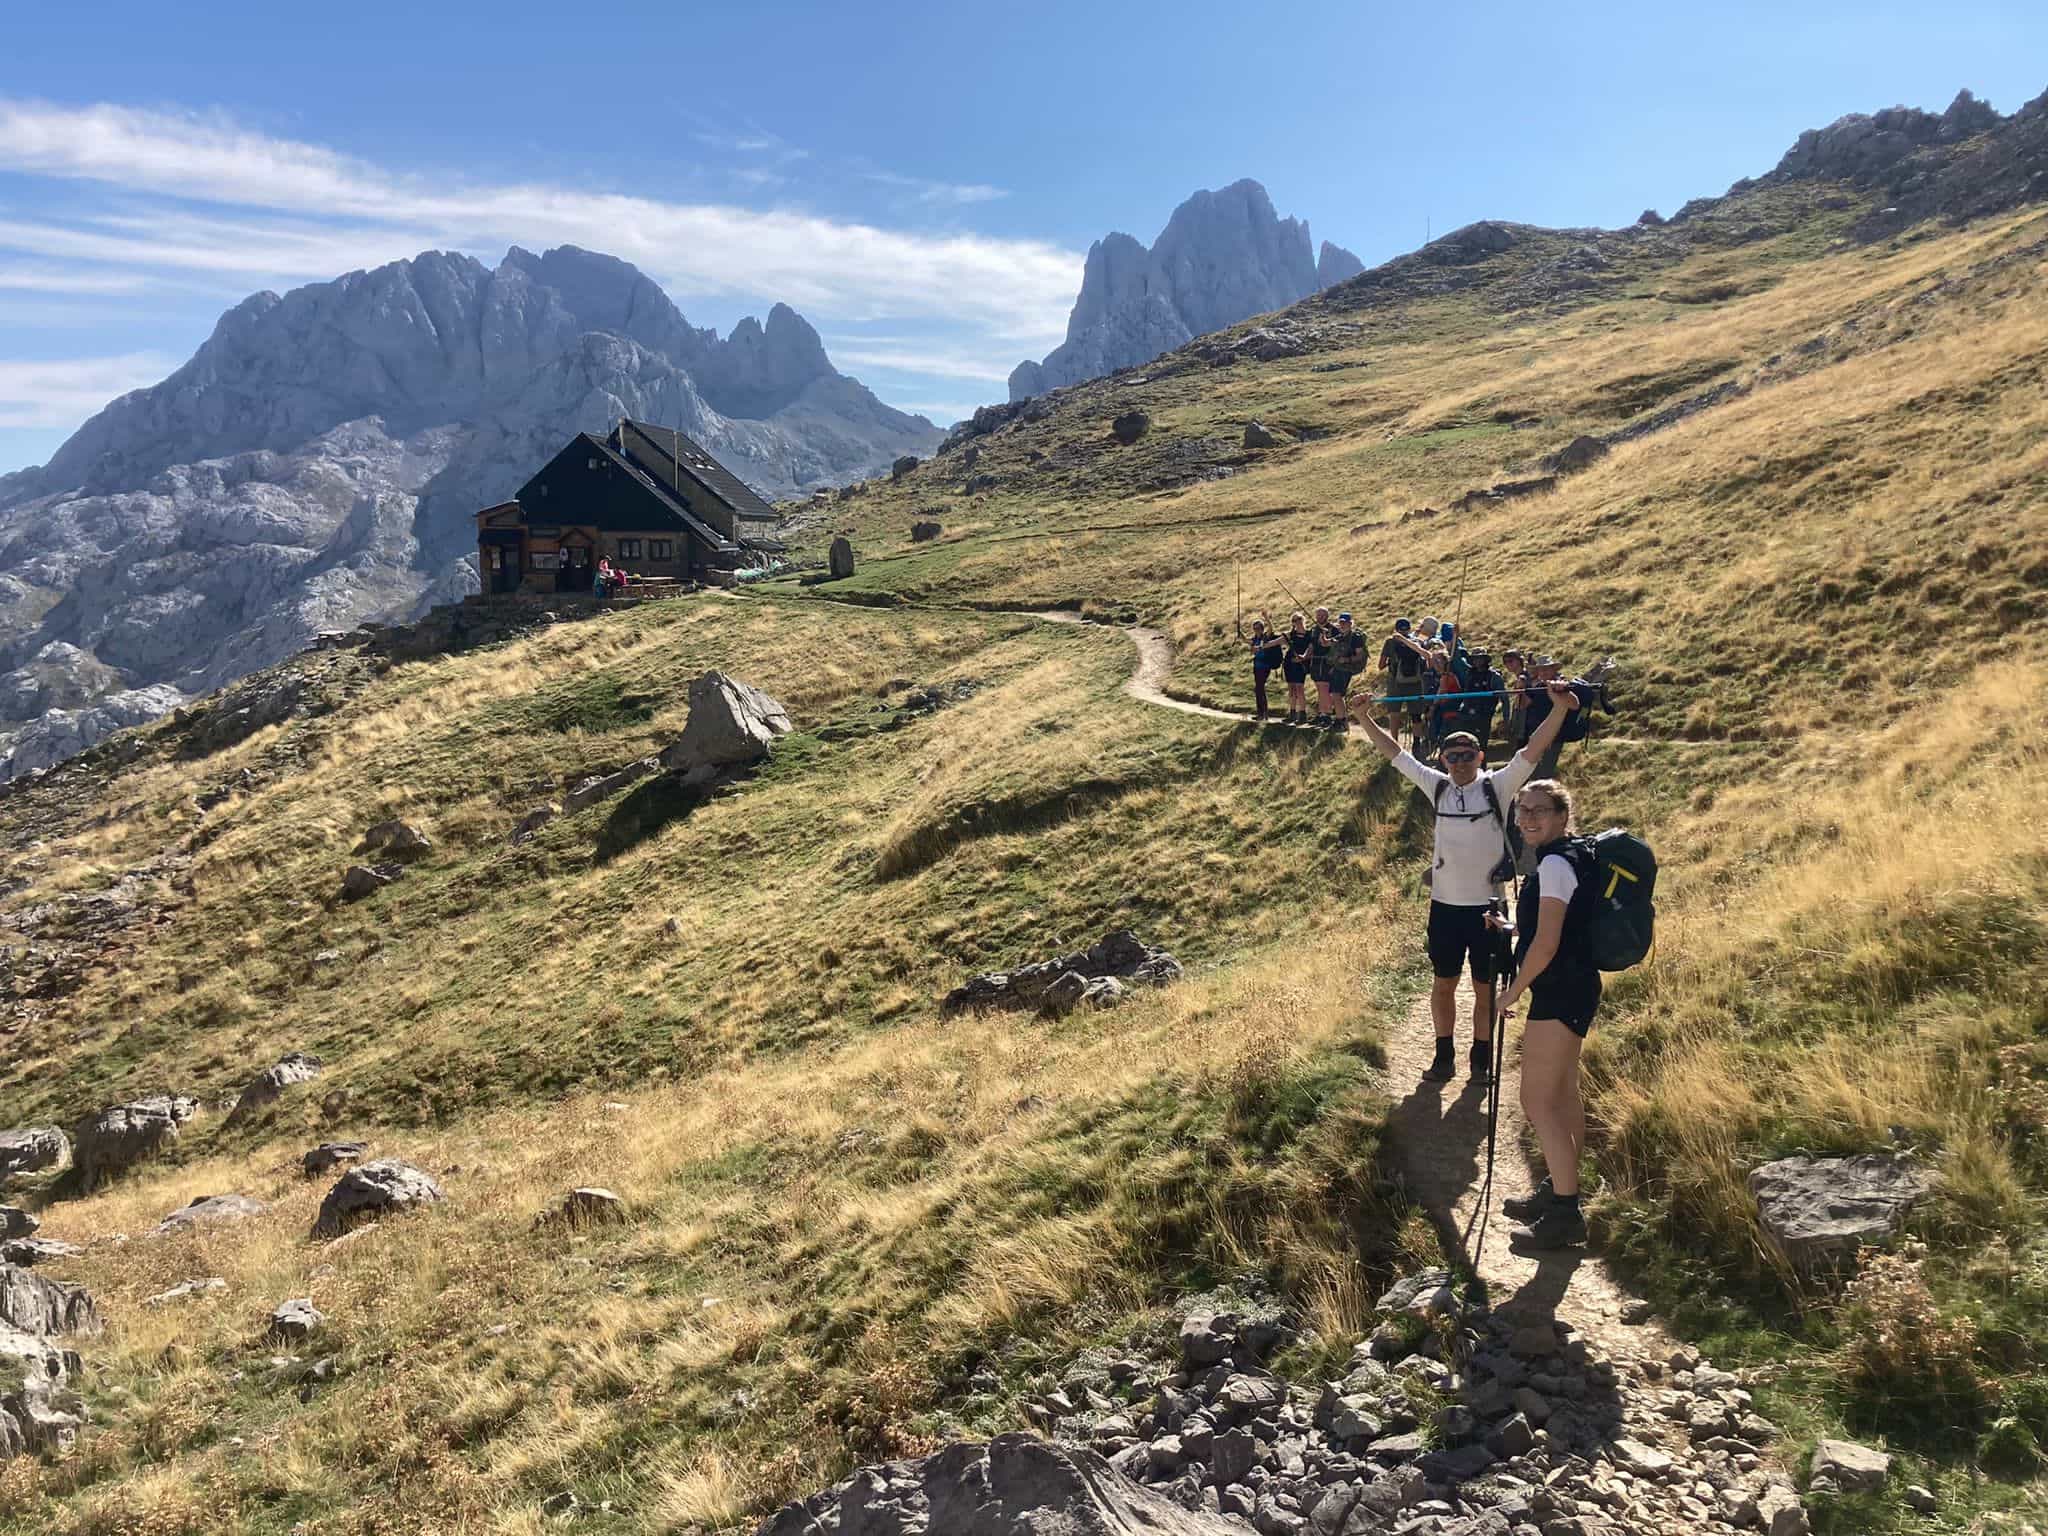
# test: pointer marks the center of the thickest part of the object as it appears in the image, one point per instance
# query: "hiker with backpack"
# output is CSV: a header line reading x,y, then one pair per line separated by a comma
x,y
1347,660
1586,909
1322,641
1472,853
1402,658
1294,647
1267,650
1476,709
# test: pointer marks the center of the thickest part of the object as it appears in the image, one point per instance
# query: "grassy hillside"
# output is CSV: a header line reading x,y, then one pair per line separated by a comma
x,y
857,1225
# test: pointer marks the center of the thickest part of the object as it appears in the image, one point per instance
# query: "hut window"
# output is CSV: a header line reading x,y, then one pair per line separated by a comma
x,y
660,549
629,549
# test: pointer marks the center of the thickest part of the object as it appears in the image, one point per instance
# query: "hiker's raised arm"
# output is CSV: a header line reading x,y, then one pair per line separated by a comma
x,y
1389,748
1562,702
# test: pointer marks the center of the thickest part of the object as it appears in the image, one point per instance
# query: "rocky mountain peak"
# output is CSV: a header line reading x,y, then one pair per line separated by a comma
x,y
1862,144
1224,255
1334,264
758,369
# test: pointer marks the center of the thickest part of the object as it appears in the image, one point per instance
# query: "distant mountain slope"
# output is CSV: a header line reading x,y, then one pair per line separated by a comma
x,y
1222,257
315,463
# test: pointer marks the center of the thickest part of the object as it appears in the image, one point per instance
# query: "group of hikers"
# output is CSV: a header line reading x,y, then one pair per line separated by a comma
x,y
1493,827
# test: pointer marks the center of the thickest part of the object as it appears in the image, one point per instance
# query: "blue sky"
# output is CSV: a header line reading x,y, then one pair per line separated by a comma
x,y
921,180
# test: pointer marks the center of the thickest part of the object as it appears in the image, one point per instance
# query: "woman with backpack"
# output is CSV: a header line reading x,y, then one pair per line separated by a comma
x,y
1555,970
1294,659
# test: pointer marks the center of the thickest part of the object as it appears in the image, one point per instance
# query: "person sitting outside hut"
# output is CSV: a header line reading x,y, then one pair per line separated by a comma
x,y
606,577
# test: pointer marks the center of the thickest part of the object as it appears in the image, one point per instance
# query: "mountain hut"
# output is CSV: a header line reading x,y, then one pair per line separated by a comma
x,y
649,497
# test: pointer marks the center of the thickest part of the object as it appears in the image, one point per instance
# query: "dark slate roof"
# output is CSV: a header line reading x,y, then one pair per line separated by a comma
x,y
626,500
671,447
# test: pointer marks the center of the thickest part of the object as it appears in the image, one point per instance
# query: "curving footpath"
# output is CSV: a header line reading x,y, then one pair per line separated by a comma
x,y
1440,1130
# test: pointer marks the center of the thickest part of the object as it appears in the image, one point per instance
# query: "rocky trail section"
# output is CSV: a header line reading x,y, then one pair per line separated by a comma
x,y
1448,1421
1541,1399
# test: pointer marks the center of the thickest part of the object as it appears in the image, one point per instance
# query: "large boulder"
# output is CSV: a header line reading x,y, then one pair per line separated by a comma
x,y
925,530
1848,1467
1822,1209
42,1416
904,464
360,880
209,1211
118,1137
731,723
332,1154
400,839
15,1222
1130,426
32,1149
1258,435
840,558
1580,453
386,1187
295,1321
269,1084
40,1307
1016,1485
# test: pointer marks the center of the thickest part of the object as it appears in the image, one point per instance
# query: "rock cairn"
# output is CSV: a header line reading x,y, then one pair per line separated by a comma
x,y
1100,976
1446,1422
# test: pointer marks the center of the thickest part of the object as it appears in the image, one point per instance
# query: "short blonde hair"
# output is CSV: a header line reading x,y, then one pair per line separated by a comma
x,y
1559,797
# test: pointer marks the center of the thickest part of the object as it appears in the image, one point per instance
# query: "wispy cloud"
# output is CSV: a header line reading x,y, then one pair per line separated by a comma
x,y
954,193
18,279
60,393
283,209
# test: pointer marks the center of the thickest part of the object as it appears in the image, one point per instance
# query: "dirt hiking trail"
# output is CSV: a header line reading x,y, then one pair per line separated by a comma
x,y
1439,1131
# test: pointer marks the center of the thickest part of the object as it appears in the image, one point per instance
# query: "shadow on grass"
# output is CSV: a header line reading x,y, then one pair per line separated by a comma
x,y
643,811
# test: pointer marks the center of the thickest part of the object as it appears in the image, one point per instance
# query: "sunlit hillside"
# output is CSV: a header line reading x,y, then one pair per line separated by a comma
x,y
858,1227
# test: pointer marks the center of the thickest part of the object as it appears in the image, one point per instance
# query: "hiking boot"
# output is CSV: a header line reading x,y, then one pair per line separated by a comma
x,y
1481,1061
1563,1225
1528,1207
1444,1067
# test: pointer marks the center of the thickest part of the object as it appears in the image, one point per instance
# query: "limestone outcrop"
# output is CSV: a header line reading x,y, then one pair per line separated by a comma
x,y
1223,257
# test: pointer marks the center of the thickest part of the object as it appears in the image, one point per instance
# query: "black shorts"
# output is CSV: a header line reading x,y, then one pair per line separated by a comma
x,y
1319,669
1294,672
1340,682
1458,936
1571,1000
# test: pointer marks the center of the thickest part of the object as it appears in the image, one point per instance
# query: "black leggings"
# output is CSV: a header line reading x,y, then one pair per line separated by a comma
x,y
1259,689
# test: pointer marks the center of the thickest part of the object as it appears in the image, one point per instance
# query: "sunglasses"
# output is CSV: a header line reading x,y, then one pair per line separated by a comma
x,y
1461,757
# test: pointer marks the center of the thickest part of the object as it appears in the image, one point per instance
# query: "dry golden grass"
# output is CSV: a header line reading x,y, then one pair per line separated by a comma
x,y
1827,594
